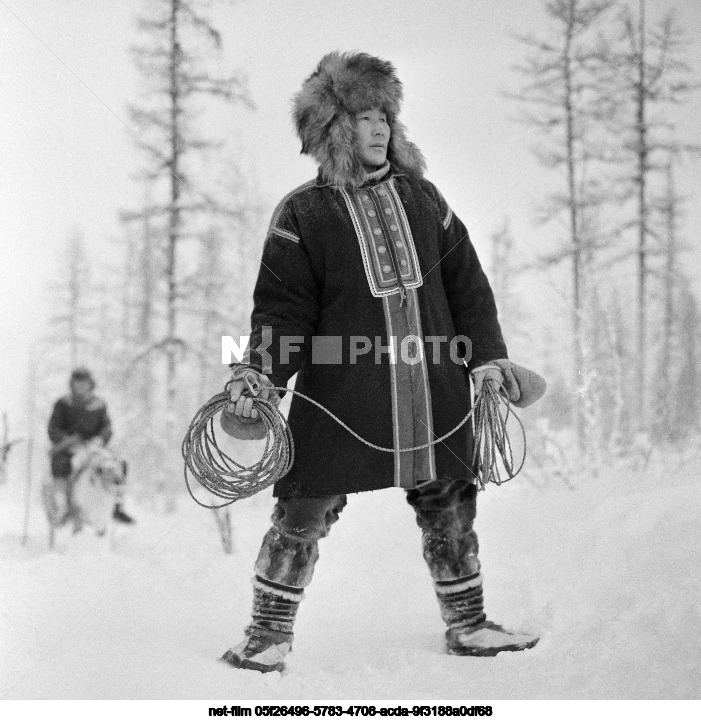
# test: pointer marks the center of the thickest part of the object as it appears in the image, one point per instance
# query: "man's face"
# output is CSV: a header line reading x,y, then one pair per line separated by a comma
x,y
372,136
81,389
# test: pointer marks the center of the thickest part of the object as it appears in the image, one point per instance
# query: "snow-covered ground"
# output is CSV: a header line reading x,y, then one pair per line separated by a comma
x,y
608,573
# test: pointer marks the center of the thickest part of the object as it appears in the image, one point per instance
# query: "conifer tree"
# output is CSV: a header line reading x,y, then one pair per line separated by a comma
x,y
564,107
648,77
178,42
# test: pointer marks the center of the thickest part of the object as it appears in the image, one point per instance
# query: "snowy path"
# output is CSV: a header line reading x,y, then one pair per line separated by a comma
x,y
609,574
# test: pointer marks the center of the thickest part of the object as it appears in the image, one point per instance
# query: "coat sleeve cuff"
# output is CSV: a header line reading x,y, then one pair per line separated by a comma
x,y
485,366
239,370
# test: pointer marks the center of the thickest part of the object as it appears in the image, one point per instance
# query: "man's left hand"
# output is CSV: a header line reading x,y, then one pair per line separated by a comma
x,y
498,372
487,374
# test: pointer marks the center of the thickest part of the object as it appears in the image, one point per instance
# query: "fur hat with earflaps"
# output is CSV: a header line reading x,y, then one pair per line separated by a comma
x,y
324,113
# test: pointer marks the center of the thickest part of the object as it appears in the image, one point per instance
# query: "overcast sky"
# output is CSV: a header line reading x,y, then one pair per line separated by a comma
x,y
66,76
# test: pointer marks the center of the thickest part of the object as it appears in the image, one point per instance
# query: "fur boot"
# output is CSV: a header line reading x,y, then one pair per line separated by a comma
x,y
469,633
268,638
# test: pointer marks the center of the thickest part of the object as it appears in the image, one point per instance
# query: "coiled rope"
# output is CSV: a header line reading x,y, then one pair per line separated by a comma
x,y
492,443
225,478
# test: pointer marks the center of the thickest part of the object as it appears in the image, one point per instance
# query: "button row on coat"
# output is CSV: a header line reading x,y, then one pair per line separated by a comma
x,y
388,211
381,249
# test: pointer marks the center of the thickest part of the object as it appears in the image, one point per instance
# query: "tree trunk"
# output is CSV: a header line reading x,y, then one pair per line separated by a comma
x,y
641,122
663,376
31,418
577,351
173,219
146,316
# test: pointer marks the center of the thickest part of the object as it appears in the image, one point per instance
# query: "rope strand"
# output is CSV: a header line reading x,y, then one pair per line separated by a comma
x,y
491,436
222,476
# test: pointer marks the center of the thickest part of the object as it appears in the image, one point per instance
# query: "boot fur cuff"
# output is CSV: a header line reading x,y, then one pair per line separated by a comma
x,y
448,588
289,593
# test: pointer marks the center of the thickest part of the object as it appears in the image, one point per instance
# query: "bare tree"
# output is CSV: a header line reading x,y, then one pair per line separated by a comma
x,y
504,275
140,394
501,271
5,447
72,325
30,448
173,64
648,77
211,287
686,392
140,314
607,373
565,107
670,209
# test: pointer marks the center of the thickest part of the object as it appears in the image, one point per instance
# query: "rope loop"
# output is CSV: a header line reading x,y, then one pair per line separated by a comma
x,y
217,471
492,442
222,476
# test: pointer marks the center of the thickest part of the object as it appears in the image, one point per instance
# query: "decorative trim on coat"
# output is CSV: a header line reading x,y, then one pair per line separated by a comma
x,y
448,218
274,226
384,235
429,456
412,416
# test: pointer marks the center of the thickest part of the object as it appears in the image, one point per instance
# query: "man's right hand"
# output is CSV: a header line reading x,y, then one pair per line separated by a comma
x,y
241,404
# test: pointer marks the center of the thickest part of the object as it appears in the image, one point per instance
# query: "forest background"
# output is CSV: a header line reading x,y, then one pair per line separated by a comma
x,y
143,159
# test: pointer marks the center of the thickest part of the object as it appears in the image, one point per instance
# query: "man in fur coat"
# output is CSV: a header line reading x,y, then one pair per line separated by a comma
x,y
76,418
371,291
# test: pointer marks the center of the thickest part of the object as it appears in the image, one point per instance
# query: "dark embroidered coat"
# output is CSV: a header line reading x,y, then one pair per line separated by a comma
x,y
344,271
